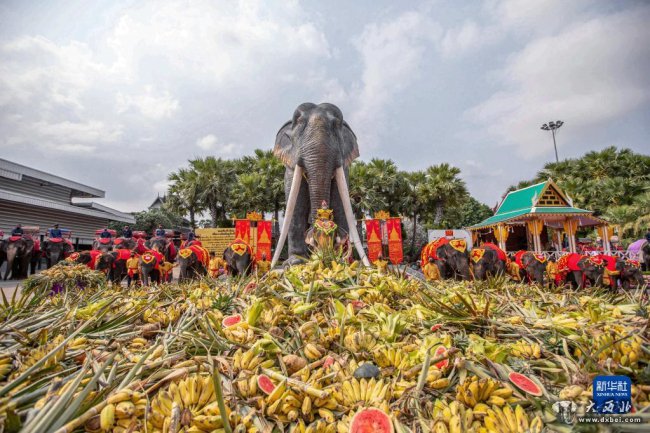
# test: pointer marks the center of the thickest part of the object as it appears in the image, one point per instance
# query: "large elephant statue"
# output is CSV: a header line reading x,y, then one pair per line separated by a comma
x,y
577,269
163,245
18,250
530,266
316,147
239,258
192,262
150,263
451,257
486,263
55,250
113,264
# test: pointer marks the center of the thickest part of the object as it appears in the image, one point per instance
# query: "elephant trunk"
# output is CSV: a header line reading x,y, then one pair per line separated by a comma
x,y
55,257
11,256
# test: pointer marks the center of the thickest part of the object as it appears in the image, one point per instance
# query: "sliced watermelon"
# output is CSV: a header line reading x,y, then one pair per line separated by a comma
x,y
371,420
441,350
264,383
229,321
435,327
525,384
329,361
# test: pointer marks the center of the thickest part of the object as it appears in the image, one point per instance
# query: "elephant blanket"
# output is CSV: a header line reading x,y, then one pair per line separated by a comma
x,y
477,254
429,251
239,247
500,253
570,262
150,256
94,258
610,269
201,253
123,254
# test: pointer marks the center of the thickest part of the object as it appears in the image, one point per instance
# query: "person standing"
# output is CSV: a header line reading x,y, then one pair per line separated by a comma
x,y
431,271
132,265
105,234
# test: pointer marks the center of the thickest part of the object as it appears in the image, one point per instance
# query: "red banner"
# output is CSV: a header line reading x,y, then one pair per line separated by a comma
x,y
373,235
394,228
243,230
263,239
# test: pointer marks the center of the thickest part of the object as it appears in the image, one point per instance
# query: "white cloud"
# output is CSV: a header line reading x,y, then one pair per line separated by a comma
x,y
208,142
586,75
212,143
155,107
392,53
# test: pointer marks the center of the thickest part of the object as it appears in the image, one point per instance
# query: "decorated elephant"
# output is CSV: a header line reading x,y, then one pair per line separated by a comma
x,y
113,264
193,262
3,252
150,262
163,245
316,147
103,244
56,249
577,270
451,257
631,274
529,266
239,258
18,251
487,261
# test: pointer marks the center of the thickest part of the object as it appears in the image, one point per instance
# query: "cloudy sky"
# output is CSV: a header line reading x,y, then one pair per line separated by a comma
x,y
116,94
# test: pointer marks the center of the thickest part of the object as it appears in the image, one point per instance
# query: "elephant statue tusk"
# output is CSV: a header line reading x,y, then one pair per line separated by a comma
x,y
288,214
347,207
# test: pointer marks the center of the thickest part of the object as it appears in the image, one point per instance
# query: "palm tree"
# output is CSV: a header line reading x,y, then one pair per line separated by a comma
x,y
216,178
444,188
413,200
183,194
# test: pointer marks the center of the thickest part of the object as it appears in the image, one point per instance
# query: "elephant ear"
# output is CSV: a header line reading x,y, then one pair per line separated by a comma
x,y
349,146
284,146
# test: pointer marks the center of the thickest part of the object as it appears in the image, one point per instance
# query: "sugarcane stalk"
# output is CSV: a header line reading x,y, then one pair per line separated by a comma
x,y
218,391
296,384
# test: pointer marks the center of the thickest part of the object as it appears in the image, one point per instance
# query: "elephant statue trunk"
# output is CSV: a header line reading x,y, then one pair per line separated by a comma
x,y
316,147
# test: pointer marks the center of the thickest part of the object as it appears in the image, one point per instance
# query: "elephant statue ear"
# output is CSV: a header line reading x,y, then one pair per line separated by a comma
x,y
349,146
284,146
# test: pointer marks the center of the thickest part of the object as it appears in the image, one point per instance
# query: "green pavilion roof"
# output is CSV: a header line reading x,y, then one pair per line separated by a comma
x,y
539,200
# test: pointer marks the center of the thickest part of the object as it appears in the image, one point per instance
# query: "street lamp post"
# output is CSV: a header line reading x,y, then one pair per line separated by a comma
x,y
552,126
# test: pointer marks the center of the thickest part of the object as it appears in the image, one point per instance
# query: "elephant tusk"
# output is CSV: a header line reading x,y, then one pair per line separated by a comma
x,y
347,207
288,214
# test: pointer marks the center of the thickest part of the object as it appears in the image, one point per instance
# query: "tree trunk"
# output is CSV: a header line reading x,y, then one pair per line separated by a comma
x,y
192,219
214,214
415,221
439,213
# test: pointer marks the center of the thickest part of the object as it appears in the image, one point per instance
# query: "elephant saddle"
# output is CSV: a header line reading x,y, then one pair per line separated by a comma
x,y
477,254
15,238
55,240
152,256
104,241
609,262
518,261
500,253
118,241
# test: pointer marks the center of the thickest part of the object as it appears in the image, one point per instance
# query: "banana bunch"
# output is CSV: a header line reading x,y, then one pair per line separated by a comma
x,y
309,331
313,351
474,391
249,361
401,386
435,379
164,316
507,420
371,296
6,365
453,418
90,310
214,318
276,315
240,333
360,341
37,354
526,350
389,356
192,401
123,412
575,393
355,392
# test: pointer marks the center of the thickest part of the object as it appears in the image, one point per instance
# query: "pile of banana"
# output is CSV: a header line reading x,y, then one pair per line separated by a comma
x,y
454,417
123,412
475,391
526,349
162,315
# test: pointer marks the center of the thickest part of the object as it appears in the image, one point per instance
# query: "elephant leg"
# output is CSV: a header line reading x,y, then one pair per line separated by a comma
x,y
577,277
299,224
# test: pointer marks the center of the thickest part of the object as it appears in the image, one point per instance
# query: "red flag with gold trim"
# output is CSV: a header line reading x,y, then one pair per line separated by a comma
x,y
263,239
373,235
243,230
395,240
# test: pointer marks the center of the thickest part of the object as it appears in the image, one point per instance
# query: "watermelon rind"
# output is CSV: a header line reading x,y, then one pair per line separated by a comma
x,y
229,321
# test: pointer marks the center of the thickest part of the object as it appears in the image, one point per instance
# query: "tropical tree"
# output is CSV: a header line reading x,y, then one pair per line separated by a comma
x,y
466,214
444,188
216,178
414,201
184,194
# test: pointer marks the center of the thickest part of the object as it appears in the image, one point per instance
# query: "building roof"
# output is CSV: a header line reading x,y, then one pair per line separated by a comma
x,y
90,209
12,170
543,200
158,201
